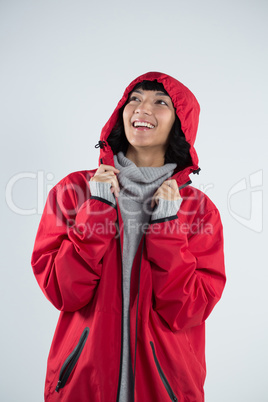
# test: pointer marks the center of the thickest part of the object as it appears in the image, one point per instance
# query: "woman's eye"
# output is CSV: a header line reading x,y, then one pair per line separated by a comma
x,y
161,102
133,98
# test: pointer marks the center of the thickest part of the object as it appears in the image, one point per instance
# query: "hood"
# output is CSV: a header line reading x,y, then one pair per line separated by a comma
x,y
187,110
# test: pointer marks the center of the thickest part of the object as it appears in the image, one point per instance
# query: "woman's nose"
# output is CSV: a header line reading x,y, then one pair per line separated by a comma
x,y
143,107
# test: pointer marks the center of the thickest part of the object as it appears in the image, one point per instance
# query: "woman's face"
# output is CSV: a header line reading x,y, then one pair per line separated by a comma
x,y
148,118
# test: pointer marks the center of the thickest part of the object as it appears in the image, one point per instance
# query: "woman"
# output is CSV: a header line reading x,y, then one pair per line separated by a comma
x,y
132,256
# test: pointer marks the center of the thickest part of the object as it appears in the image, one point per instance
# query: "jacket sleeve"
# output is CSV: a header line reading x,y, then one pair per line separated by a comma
x,y
70,245
188,273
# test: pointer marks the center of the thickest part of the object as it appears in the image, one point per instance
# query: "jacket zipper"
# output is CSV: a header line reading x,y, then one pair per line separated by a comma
x,y
137,310
136,330
71,360
162,376
121,352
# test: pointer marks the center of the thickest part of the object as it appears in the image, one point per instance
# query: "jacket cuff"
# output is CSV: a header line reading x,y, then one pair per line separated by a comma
x,y
166,208
102,190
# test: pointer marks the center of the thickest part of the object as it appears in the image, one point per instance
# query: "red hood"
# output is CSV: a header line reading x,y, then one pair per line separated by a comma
x,y
187,109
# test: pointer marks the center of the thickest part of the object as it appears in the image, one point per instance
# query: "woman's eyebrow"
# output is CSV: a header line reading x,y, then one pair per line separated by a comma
x,y
139,91
162,94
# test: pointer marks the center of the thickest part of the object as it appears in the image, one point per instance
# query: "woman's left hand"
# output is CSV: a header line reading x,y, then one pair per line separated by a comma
x,y
169,190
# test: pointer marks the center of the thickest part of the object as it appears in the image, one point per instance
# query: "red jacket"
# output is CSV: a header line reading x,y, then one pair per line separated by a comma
x,y
177,278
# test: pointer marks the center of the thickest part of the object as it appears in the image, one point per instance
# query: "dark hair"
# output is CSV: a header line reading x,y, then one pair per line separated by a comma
x,y
178,150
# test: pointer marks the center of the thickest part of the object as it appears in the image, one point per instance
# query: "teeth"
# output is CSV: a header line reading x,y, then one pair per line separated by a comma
x,y
142,124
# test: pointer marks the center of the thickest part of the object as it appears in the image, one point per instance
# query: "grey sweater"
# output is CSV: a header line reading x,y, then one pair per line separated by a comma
x,y
137,186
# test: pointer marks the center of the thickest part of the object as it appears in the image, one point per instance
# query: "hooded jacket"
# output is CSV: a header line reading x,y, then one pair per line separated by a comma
x,y
177,278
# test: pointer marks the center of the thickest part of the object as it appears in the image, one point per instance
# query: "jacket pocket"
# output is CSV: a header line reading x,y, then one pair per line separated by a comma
x,y
71,360
162,376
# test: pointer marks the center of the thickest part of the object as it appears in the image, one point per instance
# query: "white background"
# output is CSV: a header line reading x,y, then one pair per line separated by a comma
x,y
64,66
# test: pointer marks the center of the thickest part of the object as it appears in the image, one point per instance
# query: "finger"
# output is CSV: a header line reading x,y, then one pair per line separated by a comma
x,y
171,183
174,186
155,199
115,191
104,176
112,180
115,187
154,202
107,175
103,168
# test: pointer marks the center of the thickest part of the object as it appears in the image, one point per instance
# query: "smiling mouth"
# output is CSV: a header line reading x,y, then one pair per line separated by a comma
x,y
145,124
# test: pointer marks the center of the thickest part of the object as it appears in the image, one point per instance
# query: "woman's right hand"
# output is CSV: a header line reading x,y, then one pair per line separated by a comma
x,y
106,174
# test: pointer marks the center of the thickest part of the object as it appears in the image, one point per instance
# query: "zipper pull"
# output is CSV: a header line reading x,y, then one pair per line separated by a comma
x,y
58,386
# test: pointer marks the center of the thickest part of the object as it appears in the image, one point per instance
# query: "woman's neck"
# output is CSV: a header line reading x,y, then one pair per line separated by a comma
x,y
143,158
